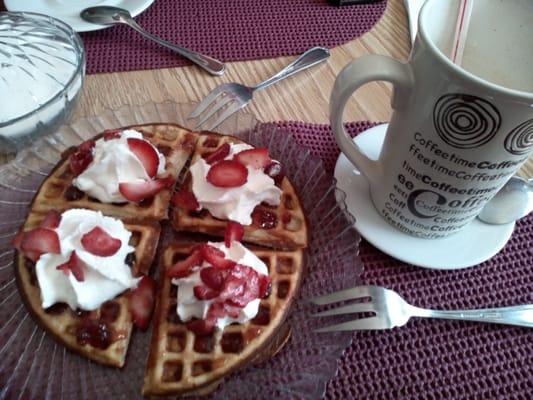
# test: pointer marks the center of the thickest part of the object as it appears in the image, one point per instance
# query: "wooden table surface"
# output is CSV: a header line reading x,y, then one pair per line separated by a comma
x,y
303,97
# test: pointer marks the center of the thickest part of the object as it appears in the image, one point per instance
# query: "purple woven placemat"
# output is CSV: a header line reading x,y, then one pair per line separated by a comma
x,y
230,30
434,359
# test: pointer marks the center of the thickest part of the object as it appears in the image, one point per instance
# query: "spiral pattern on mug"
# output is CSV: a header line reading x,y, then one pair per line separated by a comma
x,y
520,140
465,121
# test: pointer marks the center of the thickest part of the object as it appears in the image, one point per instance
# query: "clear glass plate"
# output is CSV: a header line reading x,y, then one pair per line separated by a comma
x,y
33,365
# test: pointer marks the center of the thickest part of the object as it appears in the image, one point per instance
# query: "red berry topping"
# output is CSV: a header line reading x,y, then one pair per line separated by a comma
x,y
234,231
275,171
146,154
219,154
183,268
112,134
257,158
185,200
40,241
215,257
204,293
142,300
201,327
100,243
265,286
81,159
137,191
212,278
74,265
227,174
52,220
96,332
264,219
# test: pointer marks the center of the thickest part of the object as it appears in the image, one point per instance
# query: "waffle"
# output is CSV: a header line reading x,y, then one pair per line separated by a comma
x,y
182,362
289,232
63,323
174,142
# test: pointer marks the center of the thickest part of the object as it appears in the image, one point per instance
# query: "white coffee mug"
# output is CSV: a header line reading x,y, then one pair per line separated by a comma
x,y
456,135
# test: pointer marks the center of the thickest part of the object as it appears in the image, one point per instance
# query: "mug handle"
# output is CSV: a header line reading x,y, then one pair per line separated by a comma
x,y
352,77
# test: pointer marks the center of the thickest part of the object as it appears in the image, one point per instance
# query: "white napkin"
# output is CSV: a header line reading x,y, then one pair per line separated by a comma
x,y
413,9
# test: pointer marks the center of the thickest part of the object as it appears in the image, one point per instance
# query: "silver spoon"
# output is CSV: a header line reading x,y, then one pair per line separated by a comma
x,y
513,201
106,15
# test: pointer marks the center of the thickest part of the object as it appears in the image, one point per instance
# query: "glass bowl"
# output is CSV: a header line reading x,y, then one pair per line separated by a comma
x,y
42,67
33,365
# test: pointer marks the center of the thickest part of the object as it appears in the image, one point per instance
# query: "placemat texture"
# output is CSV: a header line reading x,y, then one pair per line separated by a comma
x,y
229,30
436,359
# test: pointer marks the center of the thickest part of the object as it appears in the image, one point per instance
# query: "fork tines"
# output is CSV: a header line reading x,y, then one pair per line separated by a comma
x,y
356,293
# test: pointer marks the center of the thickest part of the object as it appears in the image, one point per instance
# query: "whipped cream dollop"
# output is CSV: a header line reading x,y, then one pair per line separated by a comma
x,y
190,307
113,163
236,203
104,277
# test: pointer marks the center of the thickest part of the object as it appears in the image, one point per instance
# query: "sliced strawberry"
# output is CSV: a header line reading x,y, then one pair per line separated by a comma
x,y
142,300
227,174
88,145
112,134
202,292
183,268
74,265
234,231
52,220
81,159
100,243
216,257
212,278
137,191
216,310
40,241
220,310
201,327
231,310
257,158
265,286
185,200
234,291
146,154
219,154
17,240
17,244
275,171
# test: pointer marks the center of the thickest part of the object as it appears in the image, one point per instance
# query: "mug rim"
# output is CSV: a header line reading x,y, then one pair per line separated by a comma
x,y
424,36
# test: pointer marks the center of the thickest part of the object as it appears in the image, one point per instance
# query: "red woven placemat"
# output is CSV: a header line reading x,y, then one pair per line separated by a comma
x,y
435,359
230,30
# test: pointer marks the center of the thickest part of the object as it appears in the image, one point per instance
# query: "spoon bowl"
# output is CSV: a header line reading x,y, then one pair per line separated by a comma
x,y
105,15
512,202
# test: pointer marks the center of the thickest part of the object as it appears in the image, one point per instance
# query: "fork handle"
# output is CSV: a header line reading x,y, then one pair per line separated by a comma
x,y
516,315
308,59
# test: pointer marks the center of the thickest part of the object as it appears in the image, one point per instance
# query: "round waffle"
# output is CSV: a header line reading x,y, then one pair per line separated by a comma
x,y
58,193
181,361
288,231
65,325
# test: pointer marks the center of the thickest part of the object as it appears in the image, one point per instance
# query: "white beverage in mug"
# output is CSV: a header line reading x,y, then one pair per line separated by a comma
x,y
457,133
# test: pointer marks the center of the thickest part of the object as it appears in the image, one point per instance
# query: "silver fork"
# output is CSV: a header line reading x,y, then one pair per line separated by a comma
x,y
233,96
392,310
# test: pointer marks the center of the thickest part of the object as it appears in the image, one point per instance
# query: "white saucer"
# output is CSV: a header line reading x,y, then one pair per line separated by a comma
x,y
69,10
476,243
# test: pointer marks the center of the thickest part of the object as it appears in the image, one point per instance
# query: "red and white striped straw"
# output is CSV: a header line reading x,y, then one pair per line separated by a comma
x,y
461,30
